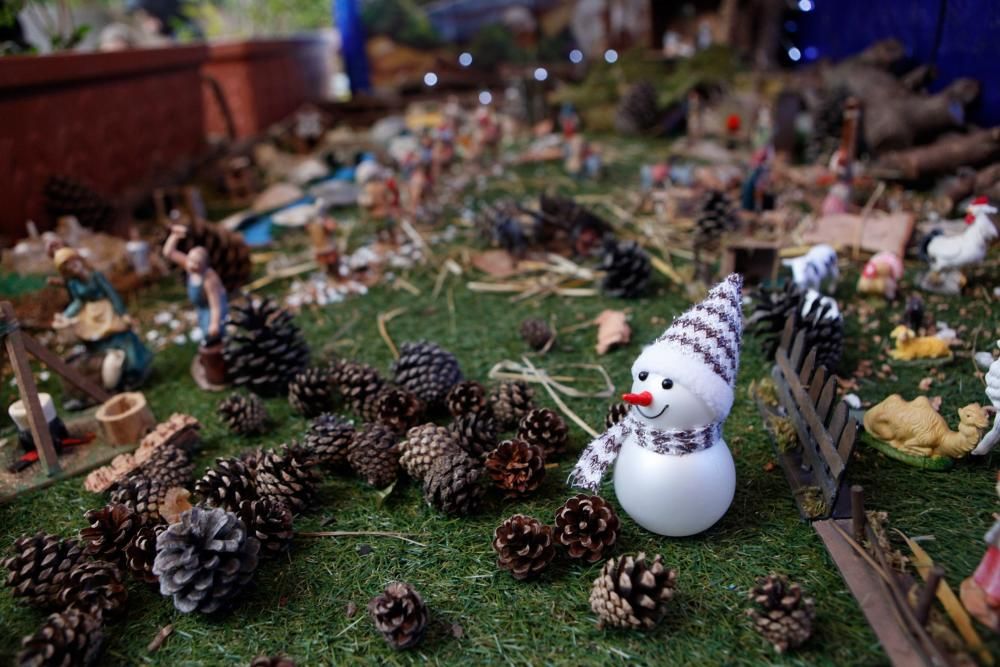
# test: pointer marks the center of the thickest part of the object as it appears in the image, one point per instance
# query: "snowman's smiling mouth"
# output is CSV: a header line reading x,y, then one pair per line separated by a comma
x,y
639,410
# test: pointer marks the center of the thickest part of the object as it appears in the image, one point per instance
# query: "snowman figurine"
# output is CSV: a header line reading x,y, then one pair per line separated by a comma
x,y
674,474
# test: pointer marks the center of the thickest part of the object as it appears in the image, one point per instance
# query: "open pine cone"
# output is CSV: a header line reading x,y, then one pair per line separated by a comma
x,y
428,370
328,440
94,587
310,393
228,483
516,467
400,615
510,401
398,409
111,529
452,484
627,270
423,446
70,638
143,496
476,433
465,397
39,567
587,526
141,552
264,349
536,333
546,429
284,478
243,414
359,385
269,522
781,613
168,465
205,560
524,546
632,592
374,455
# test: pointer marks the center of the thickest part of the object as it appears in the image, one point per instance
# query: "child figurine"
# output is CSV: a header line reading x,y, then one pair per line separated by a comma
x,y
206,292
112,350
992,437
981,591
674,474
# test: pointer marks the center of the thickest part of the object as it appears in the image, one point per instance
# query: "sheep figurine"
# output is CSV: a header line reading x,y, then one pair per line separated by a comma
x,y
881,275
816,268
909,346
916,428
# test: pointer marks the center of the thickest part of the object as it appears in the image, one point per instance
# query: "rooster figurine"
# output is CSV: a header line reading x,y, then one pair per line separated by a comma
x,y
992,437
969,247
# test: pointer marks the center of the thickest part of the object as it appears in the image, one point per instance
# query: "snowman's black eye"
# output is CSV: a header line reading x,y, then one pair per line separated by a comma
x,y
643,375
667,384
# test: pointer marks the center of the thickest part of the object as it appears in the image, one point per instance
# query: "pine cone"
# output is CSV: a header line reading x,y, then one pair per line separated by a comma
x,y
374,456
359,385
68,638
546,429
400,615
310,393
269,522
465,397
782,614
516,467
717,217
328,439
272,661
168,465
423,446
587,526
205,560
265,349
476,433
398,409
824,329
823,324
143,497
632,592
638,110
39,567
228,253
95,588
510,401
452,484
771,308
627,270
227,484
536,333
66,196
141,552
243,415
111,529
283,478
427,370
524,546
616,413
586,230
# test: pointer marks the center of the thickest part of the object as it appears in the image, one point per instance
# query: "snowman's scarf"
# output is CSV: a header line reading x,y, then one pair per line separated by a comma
x,y
603,451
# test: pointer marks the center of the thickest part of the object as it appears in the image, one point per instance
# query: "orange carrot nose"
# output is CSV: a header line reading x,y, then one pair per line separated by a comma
x,y
645,398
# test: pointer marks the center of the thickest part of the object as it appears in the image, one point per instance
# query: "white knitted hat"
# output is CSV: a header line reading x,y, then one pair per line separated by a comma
x,y
701,349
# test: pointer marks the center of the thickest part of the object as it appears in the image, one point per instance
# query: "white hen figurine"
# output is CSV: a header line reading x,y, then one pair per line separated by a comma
x,y
992,437
969,247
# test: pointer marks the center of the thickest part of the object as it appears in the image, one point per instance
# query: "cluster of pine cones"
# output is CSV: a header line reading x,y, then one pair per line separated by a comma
x,y
817,317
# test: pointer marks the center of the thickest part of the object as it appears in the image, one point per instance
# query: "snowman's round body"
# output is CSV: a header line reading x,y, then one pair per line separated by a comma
x,y
675,495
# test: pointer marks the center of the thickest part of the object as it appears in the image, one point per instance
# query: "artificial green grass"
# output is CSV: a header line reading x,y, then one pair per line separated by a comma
x,y
299,604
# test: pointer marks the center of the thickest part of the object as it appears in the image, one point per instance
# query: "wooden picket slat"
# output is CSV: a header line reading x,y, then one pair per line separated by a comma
x,y
810,424
806,369
787,333
816,384
825,400
838,421
847,439
798,349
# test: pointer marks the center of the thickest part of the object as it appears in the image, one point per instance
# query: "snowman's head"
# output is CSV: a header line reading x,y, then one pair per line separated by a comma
x,y
666,403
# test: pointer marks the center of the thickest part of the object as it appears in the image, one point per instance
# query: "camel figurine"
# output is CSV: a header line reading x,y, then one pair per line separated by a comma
x,y
909,346
916,428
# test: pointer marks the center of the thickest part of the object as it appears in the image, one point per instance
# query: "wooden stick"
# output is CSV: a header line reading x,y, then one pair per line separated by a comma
x,y
67,372
928,594
858,518
358,533
383,318
160,637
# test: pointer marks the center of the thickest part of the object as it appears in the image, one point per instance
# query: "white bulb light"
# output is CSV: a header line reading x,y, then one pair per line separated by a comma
x,y
611,56
806,5
465,59
430,79
794,54
485,97
541,74
576,56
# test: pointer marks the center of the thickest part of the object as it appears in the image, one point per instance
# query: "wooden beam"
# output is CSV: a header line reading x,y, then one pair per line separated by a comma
x,y
67,372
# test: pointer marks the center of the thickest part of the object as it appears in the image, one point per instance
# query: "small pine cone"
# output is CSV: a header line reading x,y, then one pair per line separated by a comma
x,y
272,661
476,433
465,397
516,467
68,638
400,615
782,614
510,401
141,552
169,465
428,370
546,429
264,348
328,440
524,546
94,587
359,385
587,526
627,270
283,479
227,484
536,333
374,456
39,567
452,484
243,414
632,592
143,496
111,529
423,446
398,409
616,413
310,393
269,522
205,559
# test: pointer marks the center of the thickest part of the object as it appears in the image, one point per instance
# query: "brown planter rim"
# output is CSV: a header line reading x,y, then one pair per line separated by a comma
x,y
261,48
20,72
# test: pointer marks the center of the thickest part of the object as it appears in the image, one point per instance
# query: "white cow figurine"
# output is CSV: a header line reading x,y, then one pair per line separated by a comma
x,y
816,268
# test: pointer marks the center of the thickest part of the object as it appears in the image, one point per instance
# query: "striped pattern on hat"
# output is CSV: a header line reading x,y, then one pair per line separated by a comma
x,y
713,329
